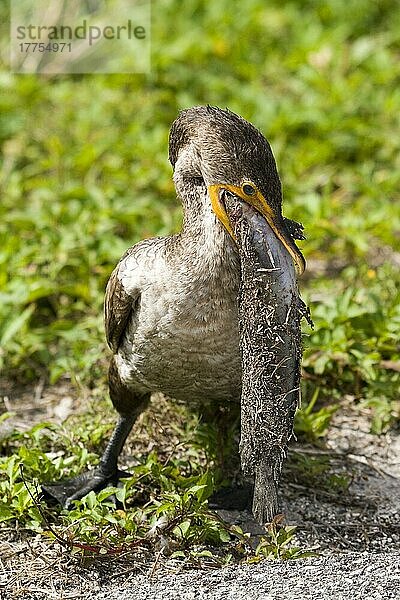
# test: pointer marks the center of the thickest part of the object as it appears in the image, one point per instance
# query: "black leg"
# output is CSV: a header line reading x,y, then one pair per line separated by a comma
x,y
109,461
129,403
106,473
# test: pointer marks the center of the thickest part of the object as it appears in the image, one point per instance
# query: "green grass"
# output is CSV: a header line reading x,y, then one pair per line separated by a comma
x,y
162,505
84,174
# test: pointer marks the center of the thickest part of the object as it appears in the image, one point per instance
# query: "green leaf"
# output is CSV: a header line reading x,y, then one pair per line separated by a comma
x,y
182,529
178,554
6,513
15,325
106,493
224,535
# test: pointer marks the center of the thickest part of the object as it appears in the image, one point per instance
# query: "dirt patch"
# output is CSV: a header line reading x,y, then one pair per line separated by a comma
x,y
35,404
365,517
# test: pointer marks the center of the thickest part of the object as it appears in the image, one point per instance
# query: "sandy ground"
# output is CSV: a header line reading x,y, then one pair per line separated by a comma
x,y
356,534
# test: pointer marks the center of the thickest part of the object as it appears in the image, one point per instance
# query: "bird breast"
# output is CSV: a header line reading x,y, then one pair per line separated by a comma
x,y
182,338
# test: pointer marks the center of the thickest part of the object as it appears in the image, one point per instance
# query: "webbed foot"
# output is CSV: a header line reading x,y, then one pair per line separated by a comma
x,y
65,492
105,474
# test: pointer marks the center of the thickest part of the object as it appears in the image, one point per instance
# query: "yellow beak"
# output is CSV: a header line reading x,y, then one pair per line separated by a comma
x,y
258,201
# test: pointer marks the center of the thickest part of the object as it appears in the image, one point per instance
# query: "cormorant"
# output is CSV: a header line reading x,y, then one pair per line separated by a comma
x,y
171,314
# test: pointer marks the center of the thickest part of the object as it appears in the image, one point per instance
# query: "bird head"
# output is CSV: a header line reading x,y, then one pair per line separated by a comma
x,y
230,156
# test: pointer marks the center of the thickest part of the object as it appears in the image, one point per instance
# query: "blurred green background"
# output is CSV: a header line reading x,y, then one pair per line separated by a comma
x,y
84,174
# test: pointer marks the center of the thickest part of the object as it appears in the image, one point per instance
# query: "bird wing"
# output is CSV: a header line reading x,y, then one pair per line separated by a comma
x,y
124,288
119,304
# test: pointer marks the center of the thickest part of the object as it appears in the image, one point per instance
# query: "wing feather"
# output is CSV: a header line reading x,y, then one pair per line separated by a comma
x,y
126,282
119,306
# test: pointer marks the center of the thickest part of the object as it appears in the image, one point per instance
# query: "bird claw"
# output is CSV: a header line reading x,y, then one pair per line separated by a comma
x,y
65,492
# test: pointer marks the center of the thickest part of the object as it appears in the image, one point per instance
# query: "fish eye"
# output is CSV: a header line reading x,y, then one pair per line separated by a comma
x,y
248,189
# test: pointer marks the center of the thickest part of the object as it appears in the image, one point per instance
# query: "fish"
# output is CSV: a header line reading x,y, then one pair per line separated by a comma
x,y
270,311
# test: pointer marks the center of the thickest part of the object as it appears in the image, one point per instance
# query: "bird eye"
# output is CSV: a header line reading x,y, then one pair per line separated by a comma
x,y
248,189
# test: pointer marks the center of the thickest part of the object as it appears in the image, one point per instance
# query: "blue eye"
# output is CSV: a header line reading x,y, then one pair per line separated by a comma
x,y
248,189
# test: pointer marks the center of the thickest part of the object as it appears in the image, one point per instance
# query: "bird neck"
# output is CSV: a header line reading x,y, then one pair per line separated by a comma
x,y
203,235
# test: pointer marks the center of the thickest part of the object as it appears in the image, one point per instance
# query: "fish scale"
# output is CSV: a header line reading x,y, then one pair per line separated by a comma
x,y
270,311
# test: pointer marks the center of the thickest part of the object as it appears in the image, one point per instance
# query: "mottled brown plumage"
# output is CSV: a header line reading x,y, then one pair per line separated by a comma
x,y
171,314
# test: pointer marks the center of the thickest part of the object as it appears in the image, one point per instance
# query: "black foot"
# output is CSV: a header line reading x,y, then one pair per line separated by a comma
x,y
66,492
232,498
